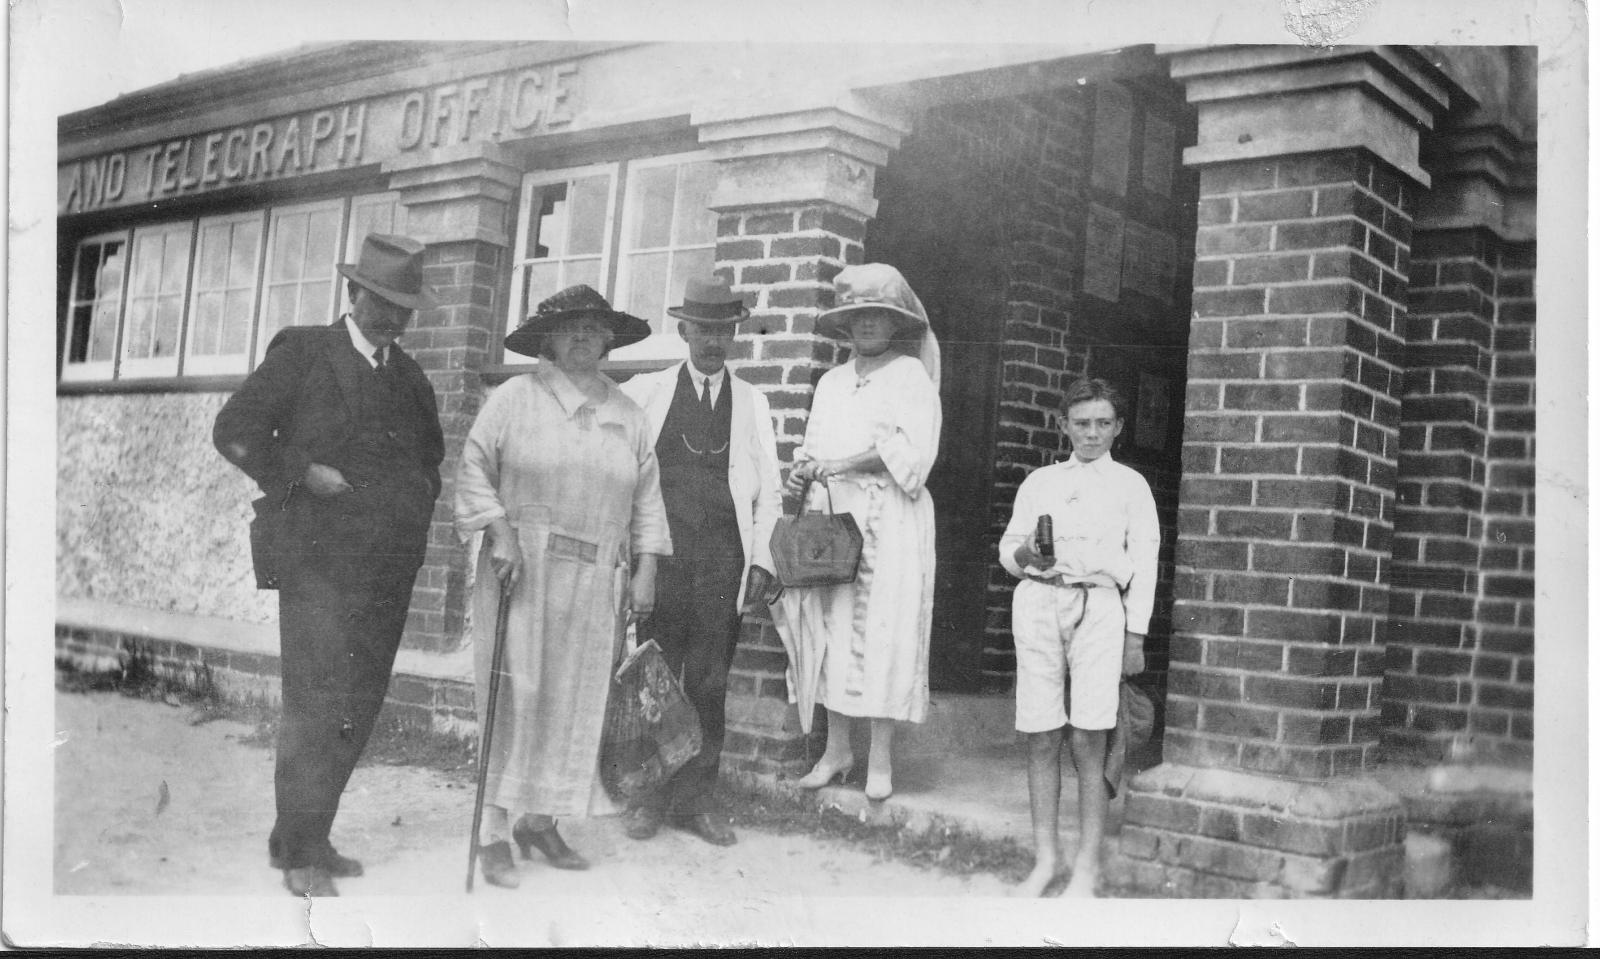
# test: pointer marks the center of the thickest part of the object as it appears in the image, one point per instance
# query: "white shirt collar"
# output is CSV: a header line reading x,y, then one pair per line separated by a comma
x,y
363,345
1099,461
698,379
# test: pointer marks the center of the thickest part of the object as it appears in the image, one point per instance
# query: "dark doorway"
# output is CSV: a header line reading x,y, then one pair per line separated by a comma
x,y
928,228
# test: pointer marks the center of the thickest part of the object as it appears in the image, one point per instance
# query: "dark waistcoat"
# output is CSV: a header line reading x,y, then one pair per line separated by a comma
x,y
693,454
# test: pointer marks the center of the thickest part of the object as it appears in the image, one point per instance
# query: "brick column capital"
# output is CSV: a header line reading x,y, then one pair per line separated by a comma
x,y
1264,101
1484,175
800,153
456,193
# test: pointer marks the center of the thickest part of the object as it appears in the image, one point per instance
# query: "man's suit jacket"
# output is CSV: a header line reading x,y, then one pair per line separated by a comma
x,y
299,407
753,478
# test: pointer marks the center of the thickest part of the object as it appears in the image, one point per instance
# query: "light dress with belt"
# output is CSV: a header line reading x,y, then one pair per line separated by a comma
x,y
577,479
861,649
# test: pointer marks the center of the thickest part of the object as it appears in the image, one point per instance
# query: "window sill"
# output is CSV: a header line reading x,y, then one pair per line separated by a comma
x,y
493,375
220,383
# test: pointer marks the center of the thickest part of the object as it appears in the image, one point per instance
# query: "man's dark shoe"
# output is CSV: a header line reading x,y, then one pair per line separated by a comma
x,y
713,829
341,867
309,881
643,822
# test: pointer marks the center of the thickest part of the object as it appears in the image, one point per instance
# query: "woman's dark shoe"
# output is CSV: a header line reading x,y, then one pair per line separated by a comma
x,y
549,842
498,869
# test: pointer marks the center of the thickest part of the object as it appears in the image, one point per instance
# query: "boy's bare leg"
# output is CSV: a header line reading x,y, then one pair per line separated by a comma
x,y
1044,796
1089,754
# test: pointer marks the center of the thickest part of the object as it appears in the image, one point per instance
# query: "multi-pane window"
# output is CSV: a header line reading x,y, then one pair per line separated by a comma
x,y
302,248
669,235
153,320
634,231
223,294
563,235
93,306
204,297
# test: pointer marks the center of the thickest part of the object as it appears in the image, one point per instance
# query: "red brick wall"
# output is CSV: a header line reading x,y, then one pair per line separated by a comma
x,y
453,342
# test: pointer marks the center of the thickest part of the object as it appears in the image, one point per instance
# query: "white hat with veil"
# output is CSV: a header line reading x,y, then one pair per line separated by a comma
x,y
880,286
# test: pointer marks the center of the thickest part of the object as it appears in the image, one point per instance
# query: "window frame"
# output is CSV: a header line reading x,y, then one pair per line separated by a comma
x,y
516,309
223,364
259,348
144,368
92,370
665,344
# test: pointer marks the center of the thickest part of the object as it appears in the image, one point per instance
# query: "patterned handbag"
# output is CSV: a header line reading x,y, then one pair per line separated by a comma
x,y
816,549
651,729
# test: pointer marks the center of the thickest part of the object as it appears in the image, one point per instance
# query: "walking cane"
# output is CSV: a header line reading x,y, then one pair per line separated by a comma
x,y
486,735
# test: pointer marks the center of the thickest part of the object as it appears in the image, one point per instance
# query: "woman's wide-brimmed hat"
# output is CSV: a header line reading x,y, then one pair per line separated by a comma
x,y
391,266
872,286
574,301
710,301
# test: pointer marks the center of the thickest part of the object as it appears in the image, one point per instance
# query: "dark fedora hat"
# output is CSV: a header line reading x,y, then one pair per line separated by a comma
x,y
580,300
711,301
391,266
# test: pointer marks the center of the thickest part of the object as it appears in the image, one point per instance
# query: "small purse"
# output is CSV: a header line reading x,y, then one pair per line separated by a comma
x,y
816,549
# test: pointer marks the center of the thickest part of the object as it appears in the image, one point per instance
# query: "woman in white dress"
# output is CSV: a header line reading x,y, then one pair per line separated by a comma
x,y
560,472
861,649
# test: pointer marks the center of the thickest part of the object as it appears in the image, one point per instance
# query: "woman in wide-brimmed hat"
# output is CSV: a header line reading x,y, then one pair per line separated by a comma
x,y
560,472
861,649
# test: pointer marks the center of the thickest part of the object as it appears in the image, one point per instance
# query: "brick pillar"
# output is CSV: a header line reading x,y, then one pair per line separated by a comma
x,y
1503,672
1439,529
1285,510
457,201
1460,677
793,196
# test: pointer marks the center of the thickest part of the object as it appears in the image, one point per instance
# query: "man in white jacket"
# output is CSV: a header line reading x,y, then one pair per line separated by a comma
x,y
719,477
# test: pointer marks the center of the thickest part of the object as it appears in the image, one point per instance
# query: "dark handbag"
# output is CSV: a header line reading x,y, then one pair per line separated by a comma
x,y
816,549
651,730
266,538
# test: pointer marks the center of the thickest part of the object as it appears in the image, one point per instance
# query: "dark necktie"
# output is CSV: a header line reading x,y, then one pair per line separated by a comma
x,y
378,364
705,394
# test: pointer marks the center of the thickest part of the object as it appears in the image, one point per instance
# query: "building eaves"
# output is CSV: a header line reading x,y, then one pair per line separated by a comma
x,y
306,67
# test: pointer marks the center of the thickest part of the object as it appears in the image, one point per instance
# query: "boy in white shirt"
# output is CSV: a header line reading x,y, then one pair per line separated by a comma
x,y
1084,614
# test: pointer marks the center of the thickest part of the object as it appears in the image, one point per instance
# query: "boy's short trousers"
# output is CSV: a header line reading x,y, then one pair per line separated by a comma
x,y
1061,631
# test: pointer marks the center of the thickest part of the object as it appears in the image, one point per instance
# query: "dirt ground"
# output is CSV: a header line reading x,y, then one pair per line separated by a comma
x,y
150,803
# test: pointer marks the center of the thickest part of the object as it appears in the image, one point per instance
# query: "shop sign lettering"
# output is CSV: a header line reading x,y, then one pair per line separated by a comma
x,y
506,105
322,140
488,108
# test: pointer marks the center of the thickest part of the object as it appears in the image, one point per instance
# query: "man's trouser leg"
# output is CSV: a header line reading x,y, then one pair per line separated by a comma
x,y
338,646
696,623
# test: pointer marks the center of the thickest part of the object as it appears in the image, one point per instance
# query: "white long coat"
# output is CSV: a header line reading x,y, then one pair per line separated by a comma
x,y
752,458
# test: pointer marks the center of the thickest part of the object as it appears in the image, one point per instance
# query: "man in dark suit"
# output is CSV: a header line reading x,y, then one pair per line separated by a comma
x,y
340,429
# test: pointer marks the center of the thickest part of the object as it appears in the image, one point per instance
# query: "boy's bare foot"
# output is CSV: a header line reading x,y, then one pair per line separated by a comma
x,y
1084,879
1046,869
